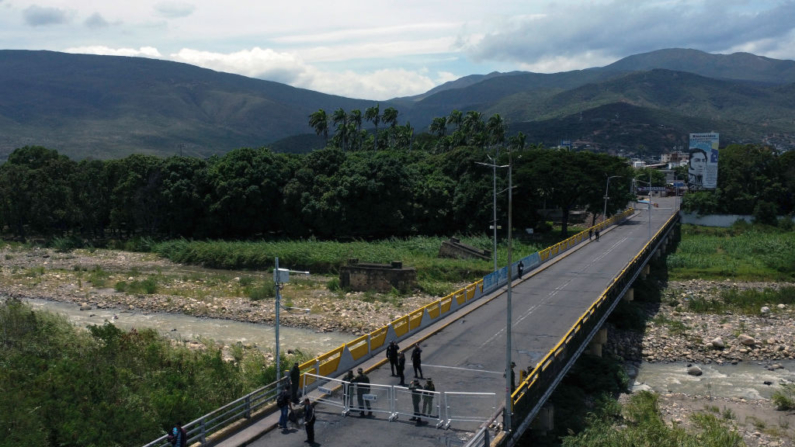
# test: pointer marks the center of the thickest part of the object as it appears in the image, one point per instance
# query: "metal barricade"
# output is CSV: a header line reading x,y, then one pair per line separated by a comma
x,y
329,391
468,407
428,405
372,398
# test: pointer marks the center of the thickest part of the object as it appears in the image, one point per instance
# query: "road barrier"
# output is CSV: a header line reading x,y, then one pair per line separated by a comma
x,y
469,407
332,392
404,405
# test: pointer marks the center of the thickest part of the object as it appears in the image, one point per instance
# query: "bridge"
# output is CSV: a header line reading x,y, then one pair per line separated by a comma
x,y
558,309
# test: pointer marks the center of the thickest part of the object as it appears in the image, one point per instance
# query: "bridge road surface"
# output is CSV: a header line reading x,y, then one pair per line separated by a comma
x,y
469,354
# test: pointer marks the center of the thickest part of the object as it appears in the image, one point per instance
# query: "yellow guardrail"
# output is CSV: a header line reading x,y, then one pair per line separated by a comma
x,y
525,386
328,363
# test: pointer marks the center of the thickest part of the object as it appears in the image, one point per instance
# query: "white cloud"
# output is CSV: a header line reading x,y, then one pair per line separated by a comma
x,y
174,10
96,21
35,15
149,52
257,62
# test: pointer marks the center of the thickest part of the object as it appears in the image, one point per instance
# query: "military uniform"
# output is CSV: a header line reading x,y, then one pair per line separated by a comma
x,y
349,392
427,398
416,395
362,387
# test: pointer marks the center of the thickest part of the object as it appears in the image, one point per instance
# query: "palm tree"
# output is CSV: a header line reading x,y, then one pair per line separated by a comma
x,y
340,119
472,125
439,126
496,129
319,122
456,118
391,117
355,118
518,140
373,114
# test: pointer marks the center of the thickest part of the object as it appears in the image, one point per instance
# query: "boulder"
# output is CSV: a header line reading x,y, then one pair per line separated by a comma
x,y
781,306
694,370
717,343
764,310
746,340
85,306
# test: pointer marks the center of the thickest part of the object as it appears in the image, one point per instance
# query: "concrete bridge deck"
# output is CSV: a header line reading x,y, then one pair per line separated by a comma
x,y
468,354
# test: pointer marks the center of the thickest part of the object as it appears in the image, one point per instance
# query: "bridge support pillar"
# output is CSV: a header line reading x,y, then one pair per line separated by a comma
x,y
595,347
645,271
545,421
657,253
630,295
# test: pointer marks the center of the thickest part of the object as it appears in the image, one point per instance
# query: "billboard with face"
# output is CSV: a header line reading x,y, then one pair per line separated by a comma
x,y
703,165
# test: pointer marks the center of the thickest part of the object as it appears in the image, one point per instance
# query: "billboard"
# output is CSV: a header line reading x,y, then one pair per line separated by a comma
x,y
702,167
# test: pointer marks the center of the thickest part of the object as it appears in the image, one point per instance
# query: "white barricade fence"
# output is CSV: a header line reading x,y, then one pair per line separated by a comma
x,y
468,407
328,391
420,403
372,398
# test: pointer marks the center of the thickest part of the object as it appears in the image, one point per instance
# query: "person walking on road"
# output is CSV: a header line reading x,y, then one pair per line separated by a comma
x,y
597,235
392,354
309,421
349,392
416,360
520,269
362,387
401,366
295,381
416,395
283,402
590,234
427,398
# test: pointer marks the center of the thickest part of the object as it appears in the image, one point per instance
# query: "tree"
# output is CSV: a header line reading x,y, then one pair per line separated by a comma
x,y
355,119
319,121
518,141
439,126
340,119
456,117
496,129
373,114
391,118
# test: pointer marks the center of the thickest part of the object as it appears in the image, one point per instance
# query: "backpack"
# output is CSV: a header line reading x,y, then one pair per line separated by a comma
x,y
281,401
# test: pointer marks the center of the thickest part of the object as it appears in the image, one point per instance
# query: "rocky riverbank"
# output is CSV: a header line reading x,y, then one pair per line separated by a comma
x,y
90,279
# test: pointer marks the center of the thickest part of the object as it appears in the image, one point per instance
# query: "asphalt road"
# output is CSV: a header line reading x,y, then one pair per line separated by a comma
x,y
469,354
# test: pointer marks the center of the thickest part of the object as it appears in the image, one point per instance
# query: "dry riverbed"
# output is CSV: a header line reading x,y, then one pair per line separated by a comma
x,y
91,279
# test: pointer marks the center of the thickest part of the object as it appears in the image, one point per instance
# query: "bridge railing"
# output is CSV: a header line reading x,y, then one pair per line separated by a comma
x,y
532,390
200,429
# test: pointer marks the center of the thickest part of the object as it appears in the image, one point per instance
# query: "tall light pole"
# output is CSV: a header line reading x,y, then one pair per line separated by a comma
x,y
607,188
494,167
281,276
508,402
649,199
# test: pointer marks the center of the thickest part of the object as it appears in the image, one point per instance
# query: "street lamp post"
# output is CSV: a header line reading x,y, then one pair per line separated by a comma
x,y
508,400
494,167
281,276
607,188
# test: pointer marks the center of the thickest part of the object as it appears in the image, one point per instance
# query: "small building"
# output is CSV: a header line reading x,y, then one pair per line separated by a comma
x,y
382,278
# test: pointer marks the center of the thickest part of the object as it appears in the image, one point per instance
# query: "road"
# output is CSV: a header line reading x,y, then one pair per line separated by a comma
x,y
469,354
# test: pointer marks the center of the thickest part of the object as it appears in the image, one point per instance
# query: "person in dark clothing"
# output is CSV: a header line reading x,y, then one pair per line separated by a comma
x,y
416,360
178,436
309,421
392,354
349,396
520,268
295,381
401,366
362,387
597,235
513,377
416,395
283,403
427,398
590,234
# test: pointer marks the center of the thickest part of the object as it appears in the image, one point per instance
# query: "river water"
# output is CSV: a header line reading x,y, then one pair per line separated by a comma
x,y
744,380
186,327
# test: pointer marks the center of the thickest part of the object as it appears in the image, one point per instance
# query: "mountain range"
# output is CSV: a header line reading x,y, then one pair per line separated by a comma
x,y
109,106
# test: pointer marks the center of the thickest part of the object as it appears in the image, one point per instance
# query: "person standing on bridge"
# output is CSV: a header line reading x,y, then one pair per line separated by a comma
x,y
284,405
597,234
178,436
362,387
309,421
416,395
416,360
401,366
427,398
590,234
295,380
392,354
520,269
513,377
349,391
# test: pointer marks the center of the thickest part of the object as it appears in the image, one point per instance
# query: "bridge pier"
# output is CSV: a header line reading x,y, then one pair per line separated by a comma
x,y
545,420
629,296
645,271
595,346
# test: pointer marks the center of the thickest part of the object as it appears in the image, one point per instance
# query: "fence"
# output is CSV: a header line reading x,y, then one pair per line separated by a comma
x,y
211,423
469,407
332,392
419,403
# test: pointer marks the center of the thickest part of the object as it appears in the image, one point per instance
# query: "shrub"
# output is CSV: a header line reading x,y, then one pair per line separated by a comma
x,y
262,292
784,399
333,284
66,244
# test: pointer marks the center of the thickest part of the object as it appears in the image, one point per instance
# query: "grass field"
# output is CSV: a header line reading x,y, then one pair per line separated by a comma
x,y
742,252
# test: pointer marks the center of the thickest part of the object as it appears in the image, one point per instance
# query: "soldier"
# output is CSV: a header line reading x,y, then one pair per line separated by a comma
x,y
392,354
513,378
416,394
427,398
349,392
401,366
295,380
362,387
416,360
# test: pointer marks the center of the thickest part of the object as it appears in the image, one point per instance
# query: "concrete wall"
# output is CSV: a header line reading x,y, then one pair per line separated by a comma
x,y
715,220
377,277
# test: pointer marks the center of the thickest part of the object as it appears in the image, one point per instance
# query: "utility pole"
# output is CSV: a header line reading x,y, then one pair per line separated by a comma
x,y
508,400
607,188
281,276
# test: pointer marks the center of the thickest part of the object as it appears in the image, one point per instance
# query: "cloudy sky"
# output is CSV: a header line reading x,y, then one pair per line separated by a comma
x,y
387,48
